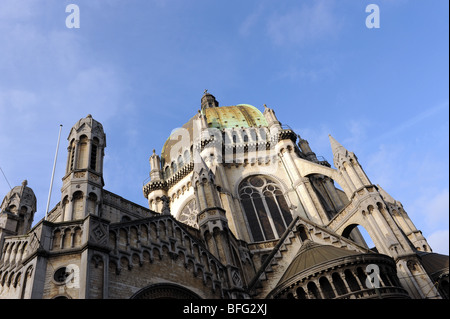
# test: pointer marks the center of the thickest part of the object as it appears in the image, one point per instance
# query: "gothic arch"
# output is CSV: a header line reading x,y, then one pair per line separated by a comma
x,y
307,168
165,291
348,232
265,207
368,214
280,182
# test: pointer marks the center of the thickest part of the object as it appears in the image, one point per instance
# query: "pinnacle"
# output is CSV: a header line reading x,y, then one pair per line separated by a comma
x,y
336,147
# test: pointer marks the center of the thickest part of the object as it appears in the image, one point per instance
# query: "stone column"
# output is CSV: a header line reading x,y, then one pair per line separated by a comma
x,y
353,175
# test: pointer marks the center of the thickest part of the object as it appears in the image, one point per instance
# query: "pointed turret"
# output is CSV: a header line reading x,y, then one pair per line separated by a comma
x,y
347,163
336,147
155,167
82,185
271,118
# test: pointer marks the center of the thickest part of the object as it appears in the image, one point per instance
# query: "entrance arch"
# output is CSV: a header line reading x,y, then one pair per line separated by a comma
x,y
165,291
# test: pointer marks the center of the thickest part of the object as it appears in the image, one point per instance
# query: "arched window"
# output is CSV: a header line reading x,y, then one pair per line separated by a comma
x,y
174,167
65,205
265,207
313,291
362,276
94,148
301,293
78,205
339,284
71,157
180,161
326,288
17,280
82,153
167,172
351,280
187,156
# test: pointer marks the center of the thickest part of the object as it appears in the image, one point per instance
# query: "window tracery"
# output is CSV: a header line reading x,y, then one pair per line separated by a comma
x,y
265,207
189,214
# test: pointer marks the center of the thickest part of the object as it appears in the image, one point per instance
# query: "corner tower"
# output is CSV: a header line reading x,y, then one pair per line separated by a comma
x,y
17,211
83,182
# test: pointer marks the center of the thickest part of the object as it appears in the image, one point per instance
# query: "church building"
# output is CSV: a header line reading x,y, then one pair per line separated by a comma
x,y
239,207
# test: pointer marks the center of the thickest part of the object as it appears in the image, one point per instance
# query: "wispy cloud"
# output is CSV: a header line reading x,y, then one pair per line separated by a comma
x,y
312,72
251,21
413,121
17,10
301,25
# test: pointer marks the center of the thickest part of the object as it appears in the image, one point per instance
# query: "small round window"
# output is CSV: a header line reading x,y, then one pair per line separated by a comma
x,y
61,275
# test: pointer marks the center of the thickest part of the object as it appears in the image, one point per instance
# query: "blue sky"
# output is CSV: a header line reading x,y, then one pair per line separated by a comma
x,y
140,68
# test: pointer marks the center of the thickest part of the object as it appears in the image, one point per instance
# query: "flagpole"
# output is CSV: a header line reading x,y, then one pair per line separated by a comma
x,y
53,173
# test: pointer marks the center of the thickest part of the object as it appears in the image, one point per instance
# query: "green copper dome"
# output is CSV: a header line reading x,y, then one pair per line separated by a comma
x,y
236,116
242,115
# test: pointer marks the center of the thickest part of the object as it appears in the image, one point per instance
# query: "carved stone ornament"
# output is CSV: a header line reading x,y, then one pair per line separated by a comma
x,y
166,208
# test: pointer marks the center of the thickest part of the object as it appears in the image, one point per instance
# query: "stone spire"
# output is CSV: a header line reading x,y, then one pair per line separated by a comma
x,y
347,163
336,147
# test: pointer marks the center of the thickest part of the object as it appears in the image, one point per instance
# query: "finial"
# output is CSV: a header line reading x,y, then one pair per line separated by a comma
x,y
265,106
25,183
154,152
89,116
206,91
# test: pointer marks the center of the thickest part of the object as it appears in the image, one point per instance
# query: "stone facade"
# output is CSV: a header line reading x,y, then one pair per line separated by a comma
x,y
239,207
